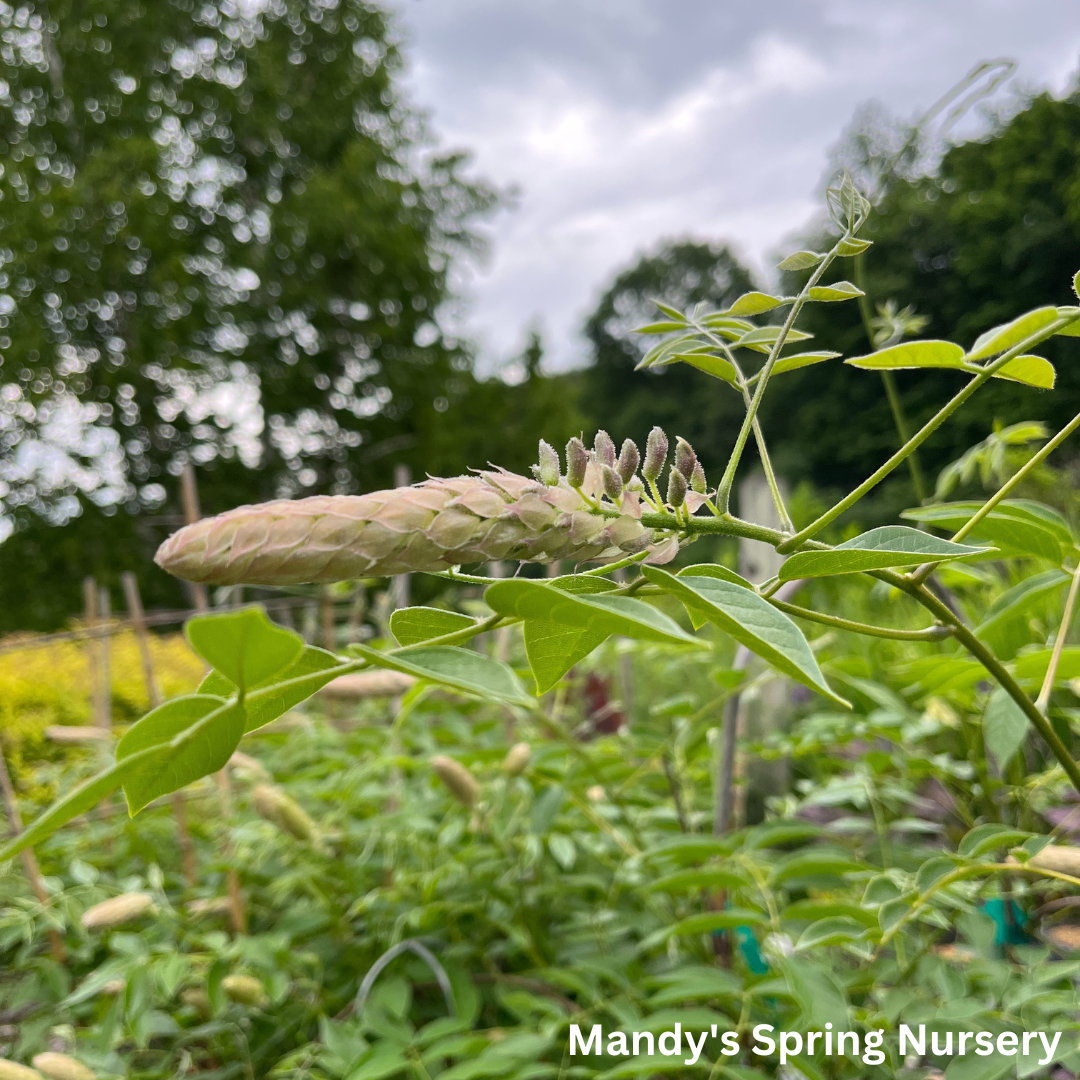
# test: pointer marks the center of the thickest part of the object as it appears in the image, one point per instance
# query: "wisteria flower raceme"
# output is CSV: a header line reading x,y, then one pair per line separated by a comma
x,y
433,525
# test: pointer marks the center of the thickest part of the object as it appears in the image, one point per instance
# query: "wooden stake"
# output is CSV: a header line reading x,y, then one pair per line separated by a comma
x,y
399,588
153,693
33,870
90,617
104,612
189,496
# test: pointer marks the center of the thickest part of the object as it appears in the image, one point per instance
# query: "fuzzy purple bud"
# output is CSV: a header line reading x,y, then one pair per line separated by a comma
x,y
676,488
697,479
685,458
629,459
548,470
613,485
577,460
655,454
604,449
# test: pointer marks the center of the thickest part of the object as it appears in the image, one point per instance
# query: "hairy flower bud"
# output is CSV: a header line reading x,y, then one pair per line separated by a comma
x,y
517,759
244,989
613,485
676,488
459,781
433,525
655,455
115,912
12,1070
61,1067
629,459
604,449
685,458
548,469
697,479
272,804
577,461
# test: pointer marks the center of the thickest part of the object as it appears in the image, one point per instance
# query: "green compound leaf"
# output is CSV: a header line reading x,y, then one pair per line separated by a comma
x,y
800,260
751,621
912,354
1004,727
415,624
275,696
755,303
1004,337
562,628
838,290
1017,527
1030,370
890,545
853,245
177,762
245,646
449,665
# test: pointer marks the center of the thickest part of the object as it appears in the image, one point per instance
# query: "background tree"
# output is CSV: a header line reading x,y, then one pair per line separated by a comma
x,y
991,232
225,239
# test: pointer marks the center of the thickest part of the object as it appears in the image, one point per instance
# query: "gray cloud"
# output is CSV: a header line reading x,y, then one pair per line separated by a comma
x,y
623,122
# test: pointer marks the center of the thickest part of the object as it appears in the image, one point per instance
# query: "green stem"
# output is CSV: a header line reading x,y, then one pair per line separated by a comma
x,y
923,433
1043,700
938,632
723,495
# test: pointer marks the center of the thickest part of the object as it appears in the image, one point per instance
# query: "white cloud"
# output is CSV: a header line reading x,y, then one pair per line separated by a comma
x,y
623,123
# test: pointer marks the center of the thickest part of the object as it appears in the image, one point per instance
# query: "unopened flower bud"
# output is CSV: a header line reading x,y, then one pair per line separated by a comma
x,y
12,1070
577,461
685,458
548,470
61,1067
697,479
629,459
604,449
459,781
655,455
244,989
274,805
115,912
517,759
676,488
613,485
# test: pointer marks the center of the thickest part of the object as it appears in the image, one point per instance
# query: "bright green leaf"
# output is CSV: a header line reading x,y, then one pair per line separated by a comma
x,y
764,337
801,260
814,910
1073,328
779,833
1029,370
707,922
449,665
415,624
691,848
175,765
801,360
755,303
275,696
751,621
660,328
554,648
933,870
911,354
990,837
709,877
814,862
838,290
830,932
715,570
1030,668
245,646
716,366
1020,598
853,245
1004,337
1016,526
1005,726
889,545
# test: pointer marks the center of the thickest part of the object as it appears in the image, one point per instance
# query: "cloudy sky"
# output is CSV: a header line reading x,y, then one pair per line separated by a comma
x,y
624,122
